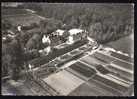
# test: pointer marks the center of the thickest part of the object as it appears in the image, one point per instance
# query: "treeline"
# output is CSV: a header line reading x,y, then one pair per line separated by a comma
x,y
104,22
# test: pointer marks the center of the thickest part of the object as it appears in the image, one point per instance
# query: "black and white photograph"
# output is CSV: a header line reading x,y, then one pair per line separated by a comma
x,y
67,49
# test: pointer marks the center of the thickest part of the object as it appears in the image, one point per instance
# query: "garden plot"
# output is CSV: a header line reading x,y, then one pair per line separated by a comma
x,y
63,82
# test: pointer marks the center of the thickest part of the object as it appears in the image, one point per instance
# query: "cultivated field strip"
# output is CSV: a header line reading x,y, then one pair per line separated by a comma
x,y
75,52
103,57
124,64
77,74
120,79
106,90
120,82
91,60
115,61
123,57
86,90
83,48
124,69
112,57
83,69
95,88
121,73
110,83
65,57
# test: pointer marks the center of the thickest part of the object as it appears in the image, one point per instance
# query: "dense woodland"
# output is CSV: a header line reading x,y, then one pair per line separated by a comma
x,y
104,22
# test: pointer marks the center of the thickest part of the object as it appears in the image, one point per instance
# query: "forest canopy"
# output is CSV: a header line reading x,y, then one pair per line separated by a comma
x,y
104,22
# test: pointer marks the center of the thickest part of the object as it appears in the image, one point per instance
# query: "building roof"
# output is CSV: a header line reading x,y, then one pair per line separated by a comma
x,y
75,31
59,30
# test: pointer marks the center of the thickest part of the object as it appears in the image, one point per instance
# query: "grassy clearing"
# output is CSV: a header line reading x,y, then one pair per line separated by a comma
x,y
125,44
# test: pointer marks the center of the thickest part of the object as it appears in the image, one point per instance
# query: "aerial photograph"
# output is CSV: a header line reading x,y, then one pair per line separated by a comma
x,y
67,49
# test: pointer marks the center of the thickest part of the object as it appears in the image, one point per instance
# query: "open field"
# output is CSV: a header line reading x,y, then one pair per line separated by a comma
x,y
63,82
125,44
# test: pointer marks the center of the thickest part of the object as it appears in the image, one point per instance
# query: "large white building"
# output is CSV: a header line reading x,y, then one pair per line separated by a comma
x,y
59,32
75,31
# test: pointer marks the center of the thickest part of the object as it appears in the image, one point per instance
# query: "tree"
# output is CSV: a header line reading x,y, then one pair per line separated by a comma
x,y
74,22
43,24
33,42
6,62
6,24
67,17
